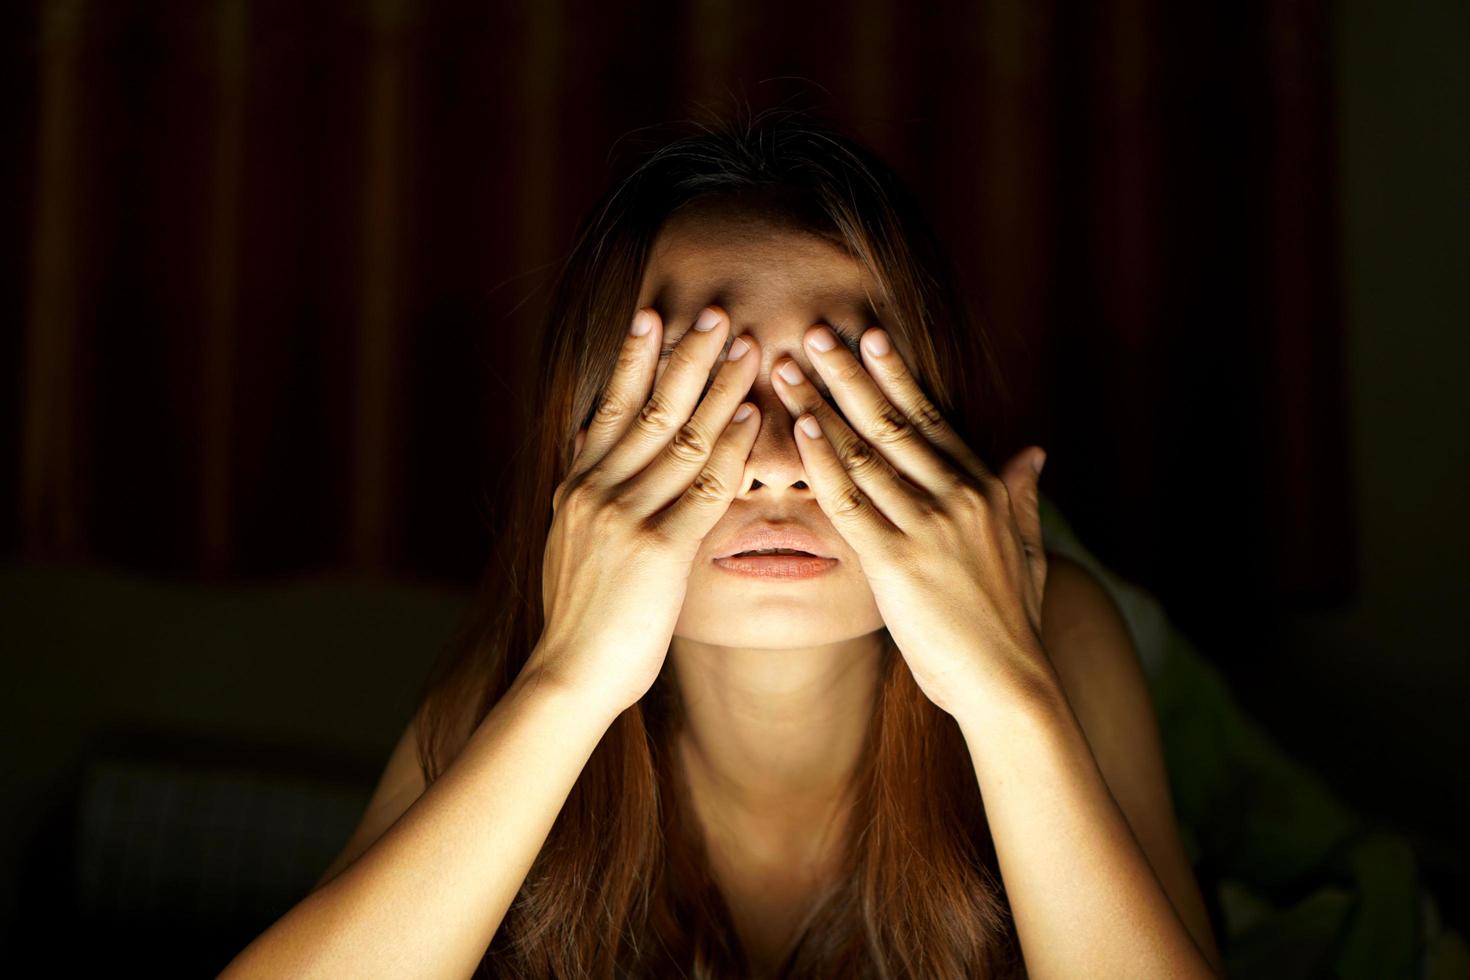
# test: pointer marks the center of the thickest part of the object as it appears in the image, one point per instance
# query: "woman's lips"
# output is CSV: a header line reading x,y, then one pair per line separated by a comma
x,y
776,566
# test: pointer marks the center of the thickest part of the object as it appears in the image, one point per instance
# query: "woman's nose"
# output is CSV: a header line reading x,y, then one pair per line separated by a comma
x,y
774,464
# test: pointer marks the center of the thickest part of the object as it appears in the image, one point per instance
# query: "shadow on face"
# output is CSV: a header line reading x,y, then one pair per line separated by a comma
x,y
775,281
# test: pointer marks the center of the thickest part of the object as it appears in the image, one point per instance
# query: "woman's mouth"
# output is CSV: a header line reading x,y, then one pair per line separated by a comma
x,y
776,563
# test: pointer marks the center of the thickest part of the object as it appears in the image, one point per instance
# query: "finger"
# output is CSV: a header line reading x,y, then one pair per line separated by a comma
x,y
897,499
850,509
626,391
1021,476
708,496
896,382
673,398
689,450
874,417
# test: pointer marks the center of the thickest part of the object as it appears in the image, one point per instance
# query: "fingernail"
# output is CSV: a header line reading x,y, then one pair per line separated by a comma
x,y
791,373
707,321
821,339
743,412
738,347
876,341
810,427
641,324
1038,460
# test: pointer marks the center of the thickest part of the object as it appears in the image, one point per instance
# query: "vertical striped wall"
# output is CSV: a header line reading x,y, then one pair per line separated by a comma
x,y
276,265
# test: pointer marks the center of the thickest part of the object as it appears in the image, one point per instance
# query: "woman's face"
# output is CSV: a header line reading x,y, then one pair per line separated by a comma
x,y
774,283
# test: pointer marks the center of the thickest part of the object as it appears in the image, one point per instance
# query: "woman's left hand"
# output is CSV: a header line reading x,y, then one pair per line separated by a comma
x,y
953,554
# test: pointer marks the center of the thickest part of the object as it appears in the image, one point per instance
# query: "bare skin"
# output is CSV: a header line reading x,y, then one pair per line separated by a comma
x,y
777,676
778,679
768,756
778,697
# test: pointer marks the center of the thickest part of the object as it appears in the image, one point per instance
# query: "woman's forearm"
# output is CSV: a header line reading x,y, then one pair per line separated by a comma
x,y
1085,900
426,898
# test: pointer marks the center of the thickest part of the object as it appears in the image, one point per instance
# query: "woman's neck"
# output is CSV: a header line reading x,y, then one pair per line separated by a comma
x,y
771,738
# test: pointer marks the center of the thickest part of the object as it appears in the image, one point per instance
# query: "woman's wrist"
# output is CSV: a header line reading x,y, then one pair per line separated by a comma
x,y
542,678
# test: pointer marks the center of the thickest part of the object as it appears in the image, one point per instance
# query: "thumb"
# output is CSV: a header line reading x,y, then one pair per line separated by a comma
x,y
1021,477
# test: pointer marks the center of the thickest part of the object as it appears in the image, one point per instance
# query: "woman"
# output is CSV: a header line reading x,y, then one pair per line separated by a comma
x,y
762,632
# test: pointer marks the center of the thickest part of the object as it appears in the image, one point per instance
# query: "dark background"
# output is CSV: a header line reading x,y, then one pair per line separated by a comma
x,y
268,271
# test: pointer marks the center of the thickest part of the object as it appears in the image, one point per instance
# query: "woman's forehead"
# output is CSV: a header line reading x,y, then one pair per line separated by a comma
x,y
753,267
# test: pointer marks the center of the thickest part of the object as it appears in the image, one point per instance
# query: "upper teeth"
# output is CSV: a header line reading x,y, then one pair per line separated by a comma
x,y
775,551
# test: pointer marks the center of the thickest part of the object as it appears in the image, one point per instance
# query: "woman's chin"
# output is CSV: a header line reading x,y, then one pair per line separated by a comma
x,y
774,625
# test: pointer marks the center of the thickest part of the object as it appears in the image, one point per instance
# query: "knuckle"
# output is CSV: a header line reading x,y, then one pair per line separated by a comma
x,y
690,444
610,411
858,456
610,515
953,486
656,413
577,495
850,502
929,507
891,426
707,487
927,418
976,501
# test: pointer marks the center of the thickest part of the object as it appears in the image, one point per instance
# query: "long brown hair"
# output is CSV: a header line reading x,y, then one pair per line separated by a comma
x,y
622,886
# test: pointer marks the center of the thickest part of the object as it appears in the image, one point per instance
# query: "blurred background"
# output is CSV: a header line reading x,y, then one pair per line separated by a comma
x,y
269,271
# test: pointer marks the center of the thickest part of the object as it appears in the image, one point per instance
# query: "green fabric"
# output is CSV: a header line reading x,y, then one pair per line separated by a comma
x,y
1306,887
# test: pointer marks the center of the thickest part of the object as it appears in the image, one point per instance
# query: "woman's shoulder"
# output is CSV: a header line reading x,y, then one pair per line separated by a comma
x,y
1075,605
1089,644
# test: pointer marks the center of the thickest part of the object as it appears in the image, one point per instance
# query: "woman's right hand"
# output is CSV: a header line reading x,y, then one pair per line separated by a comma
x,y
653,474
